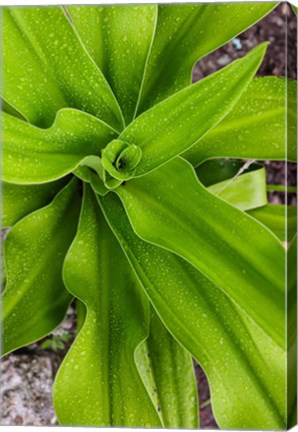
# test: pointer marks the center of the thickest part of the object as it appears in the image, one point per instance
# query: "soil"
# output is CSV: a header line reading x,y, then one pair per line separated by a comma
x,y
27,375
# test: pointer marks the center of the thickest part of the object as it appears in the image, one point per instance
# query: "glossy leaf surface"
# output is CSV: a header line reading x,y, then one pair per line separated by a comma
x,y
118,37
99,369
168,373
34,299
186,33
256,126
18,200
207,230
34,155
245,368
185,117
50,68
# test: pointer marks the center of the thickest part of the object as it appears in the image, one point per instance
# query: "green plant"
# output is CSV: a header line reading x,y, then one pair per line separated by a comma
x,y
56,342
119,195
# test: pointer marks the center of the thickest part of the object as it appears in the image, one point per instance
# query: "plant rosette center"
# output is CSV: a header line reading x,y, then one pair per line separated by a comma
x,y
119,160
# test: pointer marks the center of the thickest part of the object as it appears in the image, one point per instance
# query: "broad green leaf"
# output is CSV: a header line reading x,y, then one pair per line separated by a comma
x,y
245,190
256,126
176,212
245,368
98,383
34,300
18,200
168,373
280,219
186,33
181,120
118,37
50,69
34,155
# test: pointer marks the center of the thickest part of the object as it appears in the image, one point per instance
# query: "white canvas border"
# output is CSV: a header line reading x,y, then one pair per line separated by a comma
x,y
96,2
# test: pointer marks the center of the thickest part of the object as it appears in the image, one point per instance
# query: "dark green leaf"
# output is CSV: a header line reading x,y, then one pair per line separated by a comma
x,y
18,200
34,299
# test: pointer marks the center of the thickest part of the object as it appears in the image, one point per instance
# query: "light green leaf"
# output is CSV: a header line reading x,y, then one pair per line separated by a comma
x,y
237,254
18,200
34,155
50,69
186,33
118,37
245,368
256,126
168,373
280,219
34,299
180,121
245,189
98,383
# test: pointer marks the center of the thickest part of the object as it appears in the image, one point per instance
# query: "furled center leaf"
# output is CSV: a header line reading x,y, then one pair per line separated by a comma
x,y
120,159
177,123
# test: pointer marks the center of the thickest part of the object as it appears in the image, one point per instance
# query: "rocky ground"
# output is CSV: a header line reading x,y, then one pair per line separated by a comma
x,y
27,375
